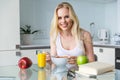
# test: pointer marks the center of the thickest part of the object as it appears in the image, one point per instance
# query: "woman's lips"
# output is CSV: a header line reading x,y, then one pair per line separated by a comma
x,y
64,25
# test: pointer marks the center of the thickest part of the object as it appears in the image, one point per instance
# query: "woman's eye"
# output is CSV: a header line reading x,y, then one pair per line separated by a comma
x,y
66,16
59,17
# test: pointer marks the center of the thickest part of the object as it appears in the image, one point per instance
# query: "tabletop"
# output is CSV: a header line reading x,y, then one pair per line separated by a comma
x,y
35,73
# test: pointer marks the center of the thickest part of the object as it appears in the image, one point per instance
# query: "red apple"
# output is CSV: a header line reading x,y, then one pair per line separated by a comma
x,y
82,60
24,63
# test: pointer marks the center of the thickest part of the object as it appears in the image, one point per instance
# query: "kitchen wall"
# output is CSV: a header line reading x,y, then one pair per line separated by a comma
x,y
118,13
111,17
38,13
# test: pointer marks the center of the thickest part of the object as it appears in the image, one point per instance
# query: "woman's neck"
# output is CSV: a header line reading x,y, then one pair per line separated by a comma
x,y
66,35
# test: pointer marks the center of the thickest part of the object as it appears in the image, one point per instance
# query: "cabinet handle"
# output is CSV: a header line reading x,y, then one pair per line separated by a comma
x,y
101,50
18,53
17,46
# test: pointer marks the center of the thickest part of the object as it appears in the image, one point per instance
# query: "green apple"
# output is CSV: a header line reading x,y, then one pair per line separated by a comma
x,y
82,60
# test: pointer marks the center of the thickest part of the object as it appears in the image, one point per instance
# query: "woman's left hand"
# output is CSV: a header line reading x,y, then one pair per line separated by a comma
x,y
72,59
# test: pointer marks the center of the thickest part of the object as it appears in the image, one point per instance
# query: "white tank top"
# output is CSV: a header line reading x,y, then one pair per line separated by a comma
x,y
78,50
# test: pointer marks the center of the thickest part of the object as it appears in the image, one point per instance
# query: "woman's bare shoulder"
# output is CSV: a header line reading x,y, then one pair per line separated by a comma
x,y
85,32
86,36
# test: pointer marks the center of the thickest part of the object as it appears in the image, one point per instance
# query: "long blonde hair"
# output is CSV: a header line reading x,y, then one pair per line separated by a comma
x,y
75,30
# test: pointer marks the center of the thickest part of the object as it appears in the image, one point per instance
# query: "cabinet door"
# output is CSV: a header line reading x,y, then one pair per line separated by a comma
x,y
106,55
9,24
32,54
8,58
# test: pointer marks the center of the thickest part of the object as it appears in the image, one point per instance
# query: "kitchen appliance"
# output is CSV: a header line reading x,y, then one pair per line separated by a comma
x,y
116,39
103,35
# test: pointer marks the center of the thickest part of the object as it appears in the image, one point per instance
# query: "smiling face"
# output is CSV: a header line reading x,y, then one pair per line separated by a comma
x,y
64,21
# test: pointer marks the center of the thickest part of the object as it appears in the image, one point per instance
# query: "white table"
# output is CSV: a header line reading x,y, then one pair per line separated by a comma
x,y
35,73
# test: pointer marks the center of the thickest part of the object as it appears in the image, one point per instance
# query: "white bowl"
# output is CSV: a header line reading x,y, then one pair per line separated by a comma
x,y
60,64
59,61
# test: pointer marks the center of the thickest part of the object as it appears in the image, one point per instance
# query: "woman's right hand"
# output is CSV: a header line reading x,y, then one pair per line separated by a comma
x,y
48,58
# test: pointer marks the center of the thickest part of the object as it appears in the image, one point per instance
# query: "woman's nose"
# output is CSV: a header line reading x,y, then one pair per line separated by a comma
x,y
63,20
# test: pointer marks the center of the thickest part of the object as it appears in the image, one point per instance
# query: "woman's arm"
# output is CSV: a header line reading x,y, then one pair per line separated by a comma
x,y
52,52
88,46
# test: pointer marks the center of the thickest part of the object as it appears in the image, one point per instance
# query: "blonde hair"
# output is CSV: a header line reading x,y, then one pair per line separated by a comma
x,y
75,30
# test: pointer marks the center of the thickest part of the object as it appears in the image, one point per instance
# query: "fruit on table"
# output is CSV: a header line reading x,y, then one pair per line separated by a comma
x,y
82,60
24,63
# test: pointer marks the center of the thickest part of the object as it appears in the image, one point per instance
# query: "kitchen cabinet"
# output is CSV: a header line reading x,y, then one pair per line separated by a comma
x,y
31,53
8,58
9,32
105,54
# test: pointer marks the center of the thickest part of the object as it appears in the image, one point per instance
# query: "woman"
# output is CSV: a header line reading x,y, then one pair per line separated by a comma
x,y
66,36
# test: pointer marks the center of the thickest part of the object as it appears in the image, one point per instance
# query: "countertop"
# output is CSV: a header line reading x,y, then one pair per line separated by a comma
x,y
107,45
24,47
95,44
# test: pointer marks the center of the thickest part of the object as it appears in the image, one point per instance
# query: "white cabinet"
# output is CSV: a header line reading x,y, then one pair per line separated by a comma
x,y
8,58
106,55
9,31
32,54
